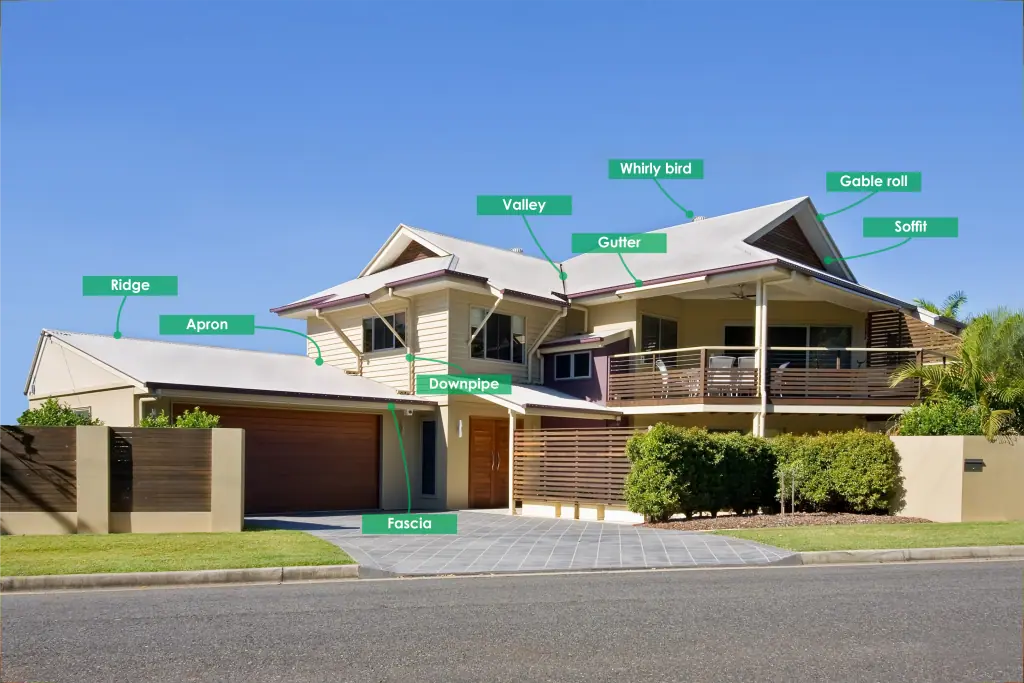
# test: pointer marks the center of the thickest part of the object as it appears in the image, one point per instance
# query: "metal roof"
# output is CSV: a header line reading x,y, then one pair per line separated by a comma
x,y
173,364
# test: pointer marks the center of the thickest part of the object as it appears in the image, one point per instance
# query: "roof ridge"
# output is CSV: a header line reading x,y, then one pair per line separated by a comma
x,y
172,343
474,242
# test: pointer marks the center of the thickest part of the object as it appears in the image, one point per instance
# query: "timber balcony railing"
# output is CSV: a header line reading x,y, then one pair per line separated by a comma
x,y
796,375
700,374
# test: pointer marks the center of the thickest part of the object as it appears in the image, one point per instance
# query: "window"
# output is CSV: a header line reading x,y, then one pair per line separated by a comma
x,y
572,365
84,412
377,336
502,338
800,336
428,445
657,333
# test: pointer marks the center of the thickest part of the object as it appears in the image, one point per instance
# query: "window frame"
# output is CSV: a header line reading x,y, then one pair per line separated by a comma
x,y
572,365
392,320
83,411
846,359
481,337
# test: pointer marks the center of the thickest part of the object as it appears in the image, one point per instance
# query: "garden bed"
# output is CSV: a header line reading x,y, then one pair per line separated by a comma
x,y
777,521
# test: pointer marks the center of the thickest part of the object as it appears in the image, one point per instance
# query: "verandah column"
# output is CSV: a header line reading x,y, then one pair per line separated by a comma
x,y
761,355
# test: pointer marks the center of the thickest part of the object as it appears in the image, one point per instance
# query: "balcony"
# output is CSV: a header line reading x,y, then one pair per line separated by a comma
x,y
703,374
796,376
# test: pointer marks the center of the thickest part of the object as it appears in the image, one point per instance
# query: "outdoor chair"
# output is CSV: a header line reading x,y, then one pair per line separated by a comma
x,y
660,364
720,383
776,387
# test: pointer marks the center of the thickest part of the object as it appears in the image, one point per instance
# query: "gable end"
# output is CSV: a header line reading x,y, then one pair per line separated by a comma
x,y
414,252
788,240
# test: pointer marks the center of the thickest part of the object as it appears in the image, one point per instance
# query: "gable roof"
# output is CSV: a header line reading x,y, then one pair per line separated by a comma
x,y
162,364
787,232
511,272
718,243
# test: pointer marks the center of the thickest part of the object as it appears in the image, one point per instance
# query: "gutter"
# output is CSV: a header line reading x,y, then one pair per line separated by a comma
x,y
157,386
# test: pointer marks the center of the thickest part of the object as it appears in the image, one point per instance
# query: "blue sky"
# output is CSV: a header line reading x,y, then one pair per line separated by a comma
x,y
262,151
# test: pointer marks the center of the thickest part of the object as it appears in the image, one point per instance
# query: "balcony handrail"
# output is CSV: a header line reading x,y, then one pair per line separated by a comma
x,y
882,349
688,348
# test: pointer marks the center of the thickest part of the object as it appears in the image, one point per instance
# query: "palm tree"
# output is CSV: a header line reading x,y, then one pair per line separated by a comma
x,y
950,307
987,371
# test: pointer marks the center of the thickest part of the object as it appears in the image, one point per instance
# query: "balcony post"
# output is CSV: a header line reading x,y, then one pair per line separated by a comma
x,y
702,376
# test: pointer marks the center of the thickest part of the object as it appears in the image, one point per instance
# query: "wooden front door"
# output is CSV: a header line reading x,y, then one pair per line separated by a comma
x,y
488,462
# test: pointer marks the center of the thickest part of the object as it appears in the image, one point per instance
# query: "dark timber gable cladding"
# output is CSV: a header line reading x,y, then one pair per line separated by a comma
x,y
788,240
414,252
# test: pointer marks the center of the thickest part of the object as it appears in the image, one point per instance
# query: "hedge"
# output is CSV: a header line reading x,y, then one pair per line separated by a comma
x,y
690,470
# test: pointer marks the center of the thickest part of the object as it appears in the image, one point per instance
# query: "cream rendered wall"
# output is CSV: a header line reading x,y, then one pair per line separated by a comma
x,y
537,318
812,424
997,492
457,457
113,407
932,468
426,328
703,322
612,317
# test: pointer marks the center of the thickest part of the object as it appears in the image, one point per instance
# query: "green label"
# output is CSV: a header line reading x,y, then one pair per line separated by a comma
x,y
870,181
666,169
207,324
463,384
411,524
911,227
619,243
524,205
130,285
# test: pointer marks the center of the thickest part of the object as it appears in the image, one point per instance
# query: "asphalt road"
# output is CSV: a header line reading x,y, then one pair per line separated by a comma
x,y
924,622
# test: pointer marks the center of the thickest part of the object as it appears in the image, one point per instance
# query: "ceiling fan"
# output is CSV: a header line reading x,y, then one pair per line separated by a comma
x,y
739,294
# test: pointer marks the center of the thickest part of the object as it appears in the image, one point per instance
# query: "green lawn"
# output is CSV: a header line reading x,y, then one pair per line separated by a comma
x,y
88,554
886,536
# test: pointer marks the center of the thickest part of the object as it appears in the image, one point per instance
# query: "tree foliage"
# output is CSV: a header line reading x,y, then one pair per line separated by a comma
x,y
987,372
950,307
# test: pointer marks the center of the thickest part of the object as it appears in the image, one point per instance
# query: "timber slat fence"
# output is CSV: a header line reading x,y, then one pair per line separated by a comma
x,y
571,465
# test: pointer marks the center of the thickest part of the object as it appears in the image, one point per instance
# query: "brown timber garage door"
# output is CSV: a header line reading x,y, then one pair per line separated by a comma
x,y
299,460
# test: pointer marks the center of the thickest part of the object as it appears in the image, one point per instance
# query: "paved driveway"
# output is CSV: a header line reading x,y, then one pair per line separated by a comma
x,y
489,542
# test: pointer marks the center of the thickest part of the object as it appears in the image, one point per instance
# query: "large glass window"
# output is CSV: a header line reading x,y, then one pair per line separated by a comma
x,y
503,337
797,336
377,336
572,365
657,333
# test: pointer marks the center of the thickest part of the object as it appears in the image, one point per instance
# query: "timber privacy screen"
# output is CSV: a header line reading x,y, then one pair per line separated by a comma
x,y
571,465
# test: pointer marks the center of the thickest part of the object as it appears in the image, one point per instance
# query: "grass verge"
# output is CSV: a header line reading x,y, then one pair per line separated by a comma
x,y
886,536
88,554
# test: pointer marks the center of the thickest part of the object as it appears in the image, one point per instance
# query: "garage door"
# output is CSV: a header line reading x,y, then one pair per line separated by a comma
x,y
305,460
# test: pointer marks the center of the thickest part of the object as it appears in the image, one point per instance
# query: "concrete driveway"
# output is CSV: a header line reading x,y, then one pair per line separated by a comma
x,y
499,543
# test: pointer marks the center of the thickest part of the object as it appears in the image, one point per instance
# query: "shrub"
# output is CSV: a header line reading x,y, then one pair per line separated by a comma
x,y
864,469
54,414
842,472
154,420
197,419
942,416
689,470
651,485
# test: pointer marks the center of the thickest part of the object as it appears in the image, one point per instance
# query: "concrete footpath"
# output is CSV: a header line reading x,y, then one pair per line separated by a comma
x,y
278,575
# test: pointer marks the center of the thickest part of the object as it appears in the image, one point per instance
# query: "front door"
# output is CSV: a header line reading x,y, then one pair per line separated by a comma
x,y
488,462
